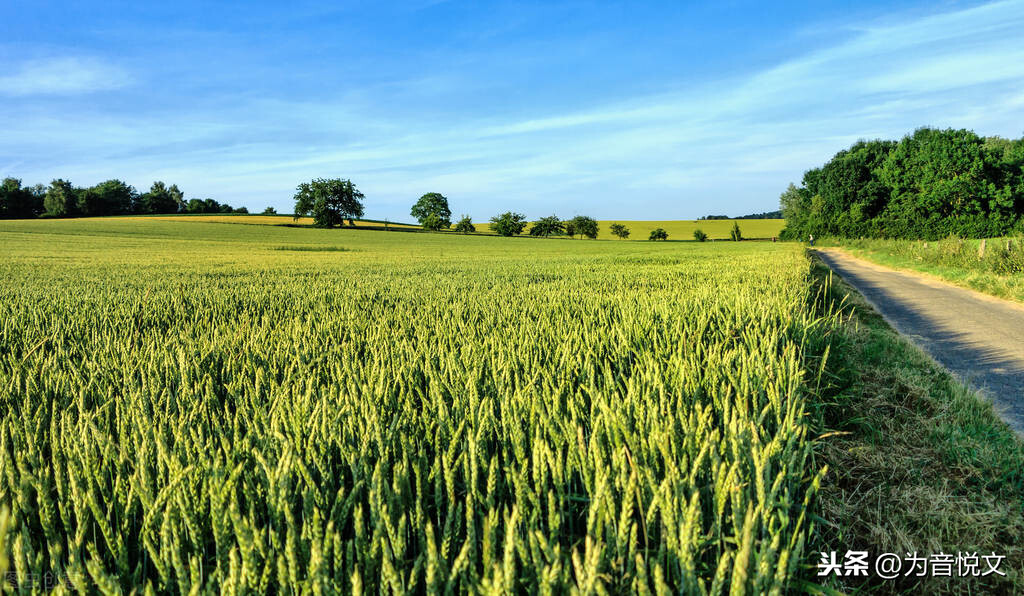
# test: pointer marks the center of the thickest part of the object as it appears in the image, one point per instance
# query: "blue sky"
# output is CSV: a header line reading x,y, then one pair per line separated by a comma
x,y
616,110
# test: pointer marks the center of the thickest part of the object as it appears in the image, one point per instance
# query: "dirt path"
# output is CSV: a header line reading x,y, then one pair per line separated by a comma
x,y
978,338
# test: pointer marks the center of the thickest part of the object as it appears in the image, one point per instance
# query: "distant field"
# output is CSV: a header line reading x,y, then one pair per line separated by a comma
x,y
683,229
639,230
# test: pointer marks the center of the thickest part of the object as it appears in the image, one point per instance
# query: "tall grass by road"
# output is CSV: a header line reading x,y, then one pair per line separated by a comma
x,y
996,269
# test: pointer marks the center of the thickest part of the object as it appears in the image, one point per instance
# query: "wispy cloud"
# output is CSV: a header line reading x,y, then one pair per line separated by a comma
x,y
726,144
68,75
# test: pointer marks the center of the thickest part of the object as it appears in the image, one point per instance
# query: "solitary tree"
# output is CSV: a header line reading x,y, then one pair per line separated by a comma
x,y
584,226
436,204
658,234
270,211
508,223
699,235
620,230
547,226
734,233
330,202
465,225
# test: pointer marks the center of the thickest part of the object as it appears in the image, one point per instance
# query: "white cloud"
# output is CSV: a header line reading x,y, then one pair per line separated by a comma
x,y
62,76
747,136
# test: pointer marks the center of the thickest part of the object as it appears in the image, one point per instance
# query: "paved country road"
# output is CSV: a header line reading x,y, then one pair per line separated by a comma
x,y
978,338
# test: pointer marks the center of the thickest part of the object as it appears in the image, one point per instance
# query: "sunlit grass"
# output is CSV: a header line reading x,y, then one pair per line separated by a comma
x,y
189,406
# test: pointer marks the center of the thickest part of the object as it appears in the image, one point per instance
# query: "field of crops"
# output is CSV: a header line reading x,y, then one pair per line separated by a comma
x,y
262,220
257,409
716,229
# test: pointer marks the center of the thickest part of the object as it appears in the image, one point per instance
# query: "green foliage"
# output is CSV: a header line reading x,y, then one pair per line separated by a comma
x,y
196,206
61,199
329,201
508,223
162,199
5,526
465,225
547,226
620,231
433,204
112,197
1001,256
186,409
658,234
119,197
432,222
734,233
18,202
269,211
584,226
699,235
931,184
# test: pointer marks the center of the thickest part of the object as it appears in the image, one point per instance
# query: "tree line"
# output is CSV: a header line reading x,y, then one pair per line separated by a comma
x,y
764,215
112,197
930,184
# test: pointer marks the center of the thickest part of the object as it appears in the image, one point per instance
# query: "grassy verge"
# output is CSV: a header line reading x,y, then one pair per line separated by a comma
x,y
999,271
917,463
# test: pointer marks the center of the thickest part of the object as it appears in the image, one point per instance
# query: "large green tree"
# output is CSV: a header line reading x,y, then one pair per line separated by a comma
x,y
508,223
330,202
584,226
547,226
433,204
162,199
112,197
947,181
18,202
61,199
930,184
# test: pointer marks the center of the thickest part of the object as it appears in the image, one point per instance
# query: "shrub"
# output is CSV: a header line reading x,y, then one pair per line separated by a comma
x,y
465,225
699,235
508,223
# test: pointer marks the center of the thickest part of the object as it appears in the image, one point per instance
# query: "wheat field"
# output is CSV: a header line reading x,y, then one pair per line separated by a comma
x,y
716,229
253,409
